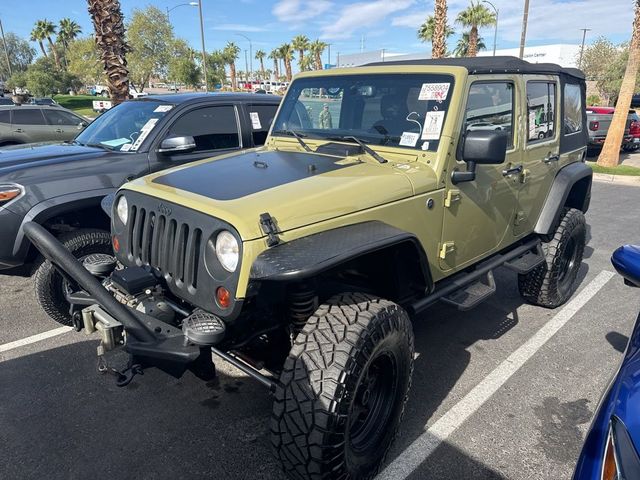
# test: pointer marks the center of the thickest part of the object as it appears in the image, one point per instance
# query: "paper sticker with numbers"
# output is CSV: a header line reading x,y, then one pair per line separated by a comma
x,y
163,108
432,125
144,132
255,120
434,91
409,139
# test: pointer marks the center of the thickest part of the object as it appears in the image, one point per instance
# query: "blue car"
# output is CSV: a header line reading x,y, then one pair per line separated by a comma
x,y
610,451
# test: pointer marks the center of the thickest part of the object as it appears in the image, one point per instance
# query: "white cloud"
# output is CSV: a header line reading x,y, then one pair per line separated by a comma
x,y
297,11
238,27
363,14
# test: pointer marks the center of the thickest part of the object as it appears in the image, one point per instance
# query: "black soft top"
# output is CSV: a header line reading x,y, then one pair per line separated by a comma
x,y
479,65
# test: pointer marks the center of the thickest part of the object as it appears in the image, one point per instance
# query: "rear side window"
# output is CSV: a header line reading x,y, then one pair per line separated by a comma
x,y
260,118
572,109
490,107
213,128
28,116
5,116
541,101
57,117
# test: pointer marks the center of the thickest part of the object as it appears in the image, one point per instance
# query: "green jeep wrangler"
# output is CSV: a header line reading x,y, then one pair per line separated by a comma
x,y
381,190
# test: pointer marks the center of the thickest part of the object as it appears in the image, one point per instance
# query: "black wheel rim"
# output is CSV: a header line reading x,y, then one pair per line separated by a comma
x,y
374,403
568,264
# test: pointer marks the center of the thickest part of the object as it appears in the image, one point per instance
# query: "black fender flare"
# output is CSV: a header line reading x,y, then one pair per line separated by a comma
x,y
574,174
307,256
52,207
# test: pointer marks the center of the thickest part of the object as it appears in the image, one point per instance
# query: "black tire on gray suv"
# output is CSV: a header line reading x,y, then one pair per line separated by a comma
x,y
50,286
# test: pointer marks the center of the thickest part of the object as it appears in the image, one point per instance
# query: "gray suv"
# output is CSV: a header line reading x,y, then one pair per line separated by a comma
x,y
38,123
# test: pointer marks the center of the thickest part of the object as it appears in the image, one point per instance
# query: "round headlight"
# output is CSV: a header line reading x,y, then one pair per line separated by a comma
x,y
227,250
122,210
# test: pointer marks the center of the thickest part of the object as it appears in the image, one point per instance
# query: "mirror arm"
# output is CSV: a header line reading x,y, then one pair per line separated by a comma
x,y
469,176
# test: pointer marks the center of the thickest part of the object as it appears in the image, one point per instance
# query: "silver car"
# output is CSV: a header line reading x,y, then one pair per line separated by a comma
x,y
38,123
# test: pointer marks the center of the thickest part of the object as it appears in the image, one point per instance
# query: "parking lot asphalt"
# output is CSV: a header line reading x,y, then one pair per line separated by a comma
x,y
504,391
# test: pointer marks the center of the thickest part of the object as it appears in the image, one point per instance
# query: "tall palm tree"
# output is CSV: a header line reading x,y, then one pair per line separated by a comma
x,y
462,47
317,48
473,17
275,56
260,54
37,35
106,16
439,37
68,30
286,54
426,31
300,43
231,52
610,155
48,29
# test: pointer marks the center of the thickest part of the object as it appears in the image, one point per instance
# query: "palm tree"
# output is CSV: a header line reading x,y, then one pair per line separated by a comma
x,y
68,30
47,29
275,56
300,43
106,16
317,48
260,54
426,31
475,16
231,52
37,35
286,54
610,155
307,63
439,37
462,47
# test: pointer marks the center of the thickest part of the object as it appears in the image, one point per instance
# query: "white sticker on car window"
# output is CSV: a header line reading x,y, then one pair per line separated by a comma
x,y
409,139
255,120
434,91
432,125
425,146
144,132
163,108
126,147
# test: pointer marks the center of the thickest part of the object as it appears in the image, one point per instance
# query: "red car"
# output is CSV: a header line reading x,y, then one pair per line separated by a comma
x,y
634,131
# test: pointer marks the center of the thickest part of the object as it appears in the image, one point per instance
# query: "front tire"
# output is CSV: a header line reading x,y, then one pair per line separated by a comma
x,y
50,286
343,389
554,281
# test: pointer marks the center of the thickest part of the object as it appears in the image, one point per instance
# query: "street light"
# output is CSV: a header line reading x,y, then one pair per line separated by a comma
x,y
204,53
584,36
250,54
495,31
190,4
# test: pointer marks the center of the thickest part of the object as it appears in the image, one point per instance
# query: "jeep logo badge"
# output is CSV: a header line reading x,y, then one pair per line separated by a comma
x,y
164,210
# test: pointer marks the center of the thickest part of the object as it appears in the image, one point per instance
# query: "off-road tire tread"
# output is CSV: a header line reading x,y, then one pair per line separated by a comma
x,y
540,286
329,346
79,242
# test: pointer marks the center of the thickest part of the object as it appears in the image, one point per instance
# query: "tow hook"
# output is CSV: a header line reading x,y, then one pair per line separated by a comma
x,y
124,376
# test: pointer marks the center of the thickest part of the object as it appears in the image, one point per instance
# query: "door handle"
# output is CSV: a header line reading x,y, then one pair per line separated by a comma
x,y
59,130
552,157
18,130
512,171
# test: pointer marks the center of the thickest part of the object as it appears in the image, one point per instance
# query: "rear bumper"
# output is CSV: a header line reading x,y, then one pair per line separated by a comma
x,y
598,141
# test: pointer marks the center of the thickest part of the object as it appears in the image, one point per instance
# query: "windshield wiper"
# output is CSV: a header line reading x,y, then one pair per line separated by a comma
x,y
297,136
363,145
98,145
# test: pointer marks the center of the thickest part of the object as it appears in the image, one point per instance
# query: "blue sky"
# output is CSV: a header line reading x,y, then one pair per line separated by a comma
x,y
389,24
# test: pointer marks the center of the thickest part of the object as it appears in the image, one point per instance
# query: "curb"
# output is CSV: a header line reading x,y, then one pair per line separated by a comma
x,y
617,179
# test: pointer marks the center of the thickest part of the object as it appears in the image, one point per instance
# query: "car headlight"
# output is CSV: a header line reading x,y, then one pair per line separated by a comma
x,y
122,210
10,192
227,250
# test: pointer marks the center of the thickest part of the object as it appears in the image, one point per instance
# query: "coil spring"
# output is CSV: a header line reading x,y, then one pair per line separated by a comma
x,y
303,301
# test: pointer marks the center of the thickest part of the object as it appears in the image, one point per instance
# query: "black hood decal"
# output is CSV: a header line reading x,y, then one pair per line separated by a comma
x,y
248,173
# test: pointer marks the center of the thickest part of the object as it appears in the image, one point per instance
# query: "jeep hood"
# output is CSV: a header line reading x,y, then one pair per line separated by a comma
x,y
295,188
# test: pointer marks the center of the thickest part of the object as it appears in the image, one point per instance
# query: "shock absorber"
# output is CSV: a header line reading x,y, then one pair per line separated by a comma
x,y
303,301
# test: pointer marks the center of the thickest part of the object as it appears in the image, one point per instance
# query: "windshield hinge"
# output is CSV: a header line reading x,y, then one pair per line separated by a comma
x,y
268,225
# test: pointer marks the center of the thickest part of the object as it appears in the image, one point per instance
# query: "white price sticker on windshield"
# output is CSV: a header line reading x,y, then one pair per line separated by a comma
x,y
163,108
434,91
255,120
432,125
409,139
144,132
126,147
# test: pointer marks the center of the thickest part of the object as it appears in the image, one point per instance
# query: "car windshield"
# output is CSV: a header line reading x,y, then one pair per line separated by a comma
x,y
125,126
398,110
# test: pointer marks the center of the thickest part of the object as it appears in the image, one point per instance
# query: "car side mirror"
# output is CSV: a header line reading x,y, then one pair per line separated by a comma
x,y
177,144
626,261
481,147
81,125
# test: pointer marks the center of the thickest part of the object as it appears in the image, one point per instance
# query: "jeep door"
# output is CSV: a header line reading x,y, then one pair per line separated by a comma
x,y
478,214
541,148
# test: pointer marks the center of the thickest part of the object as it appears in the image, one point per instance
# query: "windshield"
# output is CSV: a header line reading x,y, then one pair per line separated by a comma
x,y
398,110
124,127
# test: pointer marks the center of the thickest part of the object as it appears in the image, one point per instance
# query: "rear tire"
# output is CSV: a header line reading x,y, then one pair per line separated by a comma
x,y
343,389
49,284
554,281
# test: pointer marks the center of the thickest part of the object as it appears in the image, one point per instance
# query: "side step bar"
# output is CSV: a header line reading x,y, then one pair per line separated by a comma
x,y
462,280
474,294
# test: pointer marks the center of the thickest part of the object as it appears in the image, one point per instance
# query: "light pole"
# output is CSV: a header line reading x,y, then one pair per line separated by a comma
x,y
250,53
495,31
523,35
190,4
6,52
204,55
584,35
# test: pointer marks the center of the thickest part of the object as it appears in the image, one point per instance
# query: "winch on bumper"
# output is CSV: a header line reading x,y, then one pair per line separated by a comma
x,y
126,321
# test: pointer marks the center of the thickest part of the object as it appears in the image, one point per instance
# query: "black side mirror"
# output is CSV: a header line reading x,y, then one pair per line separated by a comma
x,y
177,144
484,147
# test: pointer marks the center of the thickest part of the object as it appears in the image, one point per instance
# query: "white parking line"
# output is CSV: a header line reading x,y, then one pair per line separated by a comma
x,y
34,338
423,446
